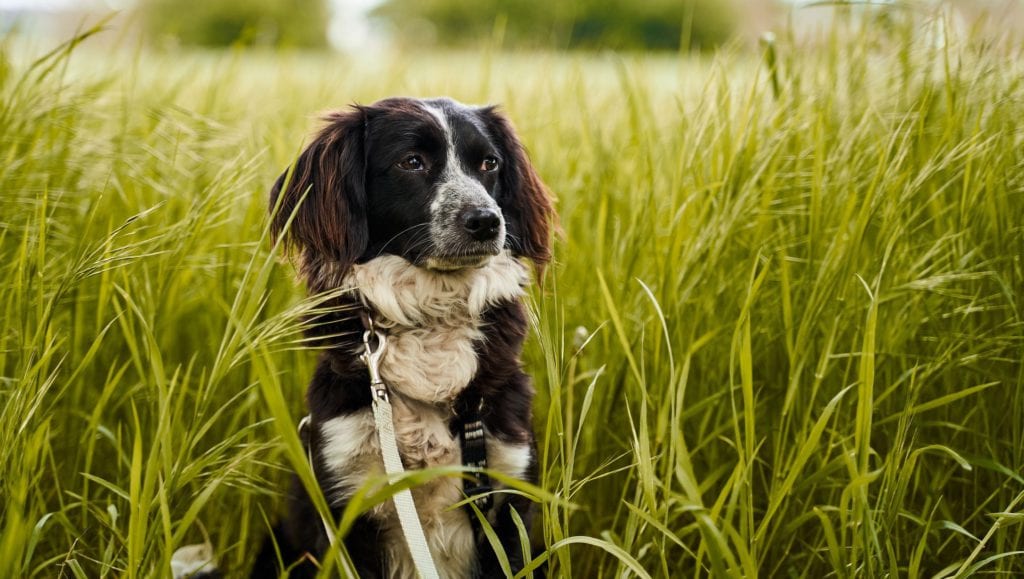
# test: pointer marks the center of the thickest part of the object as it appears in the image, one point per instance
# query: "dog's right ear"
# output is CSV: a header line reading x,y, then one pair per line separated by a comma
x,y
319,204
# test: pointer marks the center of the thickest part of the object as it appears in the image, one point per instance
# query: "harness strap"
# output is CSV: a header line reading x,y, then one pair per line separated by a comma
x,y
474,455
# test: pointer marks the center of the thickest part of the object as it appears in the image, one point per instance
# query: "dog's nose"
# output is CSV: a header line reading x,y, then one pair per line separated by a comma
x,y
481,224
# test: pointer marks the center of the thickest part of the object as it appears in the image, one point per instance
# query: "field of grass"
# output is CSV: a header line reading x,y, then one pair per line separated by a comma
x,y
782,336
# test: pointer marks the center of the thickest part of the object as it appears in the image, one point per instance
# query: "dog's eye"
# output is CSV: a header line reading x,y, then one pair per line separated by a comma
x,y
490,164
413,163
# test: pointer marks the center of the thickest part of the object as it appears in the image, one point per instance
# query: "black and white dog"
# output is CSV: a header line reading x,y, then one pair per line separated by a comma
x,y
426,210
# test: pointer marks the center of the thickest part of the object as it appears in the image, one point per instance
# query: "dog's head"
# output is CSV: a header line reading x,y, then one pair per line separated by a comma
x,y
442,184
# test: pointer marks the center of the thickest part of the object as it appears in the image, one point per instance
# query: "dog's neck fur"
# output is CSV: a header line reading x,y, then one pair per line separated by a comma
x,y
408,296
432,319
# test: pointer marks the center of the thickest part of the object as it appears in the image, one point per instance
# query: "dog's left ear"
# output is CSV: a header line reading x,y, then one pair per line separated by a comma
x,y
323,198
524,199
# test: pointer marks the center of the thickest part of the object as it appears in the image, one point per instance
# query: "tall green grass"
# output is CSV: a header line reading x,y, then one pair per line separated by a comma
x,y
782,336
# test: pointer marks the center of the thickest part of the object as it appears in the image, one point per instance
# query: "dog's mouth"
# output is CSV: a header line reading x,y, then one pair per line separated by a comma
x,y
446,263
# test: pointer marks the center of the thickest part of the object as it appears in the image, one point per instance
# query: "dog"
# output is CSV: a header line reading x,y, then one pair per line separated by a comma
x,y
428,212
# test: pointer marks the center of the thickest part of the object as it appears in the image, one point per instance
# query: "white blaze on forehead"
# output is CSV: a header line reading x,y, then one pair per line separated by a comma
x,y
452,164
442,119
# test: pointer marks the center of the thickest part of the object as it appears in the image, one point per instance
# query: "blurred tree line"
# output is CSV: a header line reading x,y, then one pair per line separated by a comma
x,y
587,24
279,23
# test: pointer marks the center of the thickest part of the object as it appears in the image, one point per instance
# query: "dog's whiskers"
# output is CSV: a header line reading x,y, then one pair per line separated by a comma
x,y
397,235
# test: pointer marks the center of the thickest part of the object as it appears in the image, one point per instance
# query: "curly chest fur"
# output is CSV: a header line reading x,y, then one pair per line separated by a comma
x,y
433,320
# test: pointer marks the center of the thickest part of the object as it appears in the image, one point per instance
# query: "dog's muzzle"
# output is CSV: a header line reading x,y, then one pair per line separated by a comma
x,y
467,227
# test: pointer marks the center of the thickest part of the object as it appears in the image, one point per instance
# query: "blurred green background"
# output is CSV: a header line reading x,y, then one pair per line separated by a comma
x,y
367,27
621,24
658,24
297,23
537,24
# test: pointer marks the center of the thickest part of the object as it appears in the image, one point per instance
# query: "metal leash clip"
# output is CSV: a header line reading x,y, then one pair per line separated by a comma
x,y
372,356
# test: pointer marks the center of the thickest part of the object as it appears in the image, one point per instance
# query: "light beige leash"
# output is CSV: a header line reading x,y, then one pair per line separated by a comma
x,y
384,420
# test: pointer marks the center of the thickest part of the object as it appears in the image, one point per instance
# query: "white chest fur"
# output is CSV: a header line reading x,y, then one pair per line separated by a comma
x,y
432,323
432,319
